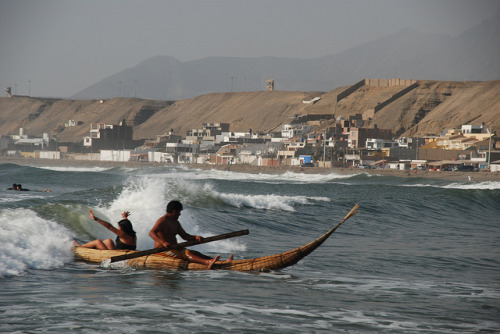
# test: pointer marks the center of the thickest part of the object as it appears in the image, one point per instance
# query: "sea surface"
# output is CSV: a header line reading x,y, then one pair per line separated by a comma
x,y
421,256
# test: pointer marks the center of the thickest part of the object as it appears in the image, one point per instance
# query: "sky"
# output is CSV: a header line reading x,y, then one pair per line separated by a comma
x,y
56,48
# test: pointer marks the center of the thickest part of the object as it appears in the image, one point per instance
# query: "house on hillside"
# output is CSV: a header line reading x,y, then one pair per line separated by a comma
x,y
358,136
479,132
110,137
24,143
183,152
209,131
226,155
379,144
259,154
290,131
161,140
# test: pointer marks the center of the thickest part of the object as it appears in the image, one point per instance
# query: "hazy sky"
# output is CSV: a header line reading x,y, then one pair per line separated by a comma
x,y
64,46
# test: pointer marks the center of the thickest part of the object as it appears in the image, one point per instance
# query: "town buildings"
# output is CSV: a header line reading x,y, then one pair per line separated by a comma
x,y
323,142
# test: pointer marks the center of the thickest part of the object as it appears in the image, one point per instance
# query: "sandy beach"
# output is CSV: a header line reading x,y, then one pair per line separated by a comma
x,y
452,176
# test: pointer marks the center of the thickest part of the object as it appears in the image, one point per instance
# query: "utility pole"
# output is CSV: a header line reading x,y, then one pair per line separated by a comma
x,y
417,150
489,149
324,148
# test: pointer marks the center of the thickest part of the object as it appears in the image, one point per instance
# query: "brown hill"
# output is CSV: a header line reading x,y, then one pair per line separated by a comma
x,y
428,108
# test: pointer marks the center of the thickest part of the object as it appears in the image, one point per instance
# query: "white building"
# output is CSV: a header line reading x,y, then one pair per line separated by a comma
x,y
95,132
114,155
227,137
473,129
290,131
378,144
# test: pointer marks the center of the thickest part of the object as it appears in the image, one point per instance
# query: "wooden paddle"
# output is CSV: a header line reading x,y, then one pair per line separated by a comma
x,y
181,245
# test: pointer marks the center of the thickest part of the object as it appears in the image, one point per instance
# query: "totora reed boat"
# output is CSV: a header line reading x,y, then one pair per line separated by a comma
x,y
163,261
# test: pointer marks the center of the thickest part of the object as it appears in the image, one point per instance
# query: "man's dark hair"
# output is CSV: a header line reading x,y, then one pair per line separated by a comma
x,y
174,205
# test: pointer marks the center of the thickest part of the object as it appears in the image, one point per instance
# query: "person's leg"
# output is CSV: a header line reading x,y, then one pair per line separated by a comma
x,y
109,244
193,257
97,244
203,256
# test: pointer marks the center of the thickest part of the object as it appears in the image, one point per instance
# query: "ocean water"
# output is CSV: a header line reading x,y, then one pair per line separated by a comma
x,y
421,256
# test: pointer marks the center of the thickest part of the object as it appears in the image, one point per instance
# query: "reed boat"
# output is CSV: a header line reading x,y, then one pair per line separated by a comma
x,y
163,261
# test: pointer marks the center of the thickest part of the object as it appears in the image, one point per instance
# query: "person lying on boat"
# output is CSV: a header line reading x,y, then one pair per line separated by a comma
x,y
125,235
164,234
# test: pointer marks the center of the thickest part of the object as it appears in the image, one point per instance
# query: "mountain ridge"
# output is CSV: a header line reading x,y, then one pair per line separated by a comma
x,y
407,53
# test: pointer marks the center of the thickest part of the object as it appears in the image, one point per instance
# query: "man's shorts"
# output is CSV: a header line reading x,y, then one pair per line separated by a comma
x,y
180,253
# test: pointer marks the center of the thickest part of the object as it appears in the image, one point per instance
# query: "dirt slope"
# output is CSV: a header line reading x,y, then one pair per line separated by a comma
x,y
428,109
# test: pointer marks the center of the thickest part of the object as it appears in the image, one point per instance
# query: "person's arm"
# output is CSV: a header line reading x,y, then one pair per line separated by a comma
x,y
155,234
186,236
107,225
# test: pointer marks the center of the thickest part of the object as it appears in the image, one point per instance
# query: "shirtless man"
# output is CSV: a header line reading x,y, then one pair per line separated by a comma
x,y
164,234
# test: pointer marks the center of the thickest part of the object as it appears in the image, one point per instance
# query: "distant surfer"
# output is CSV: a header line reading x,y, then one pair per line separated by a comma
x,y
19,187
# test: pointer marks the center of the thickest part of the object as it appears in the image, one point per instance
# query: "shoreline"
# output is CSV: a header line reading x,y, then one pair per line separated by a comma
x,y
442,175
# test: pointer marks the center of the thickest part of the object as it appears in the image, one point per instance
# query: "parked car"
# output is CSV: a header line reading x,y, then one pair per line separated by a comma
x,y
366,166
466,168
307,164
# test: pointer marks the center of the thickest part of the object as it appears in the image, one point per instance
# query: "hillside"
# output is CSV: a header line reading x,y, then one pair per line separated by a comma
x,y
430,108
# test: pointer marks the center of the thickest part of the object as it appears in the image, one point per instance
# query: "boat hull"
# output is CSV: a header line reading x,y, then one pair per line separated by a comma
x,y
164,261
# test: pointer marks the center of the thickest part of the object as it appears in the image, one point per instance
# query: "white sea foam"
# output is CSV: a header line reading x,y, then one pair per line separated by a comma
x,y
153,191
268,201
16,196
378,320
392,286
257,201
287,177
146,198
75,169
484,185
299,320
31,242
422,185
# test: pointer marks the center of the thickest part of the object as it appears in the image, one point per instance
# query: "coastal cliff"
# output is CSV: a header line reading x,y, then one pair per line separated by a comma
x,y
429,107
